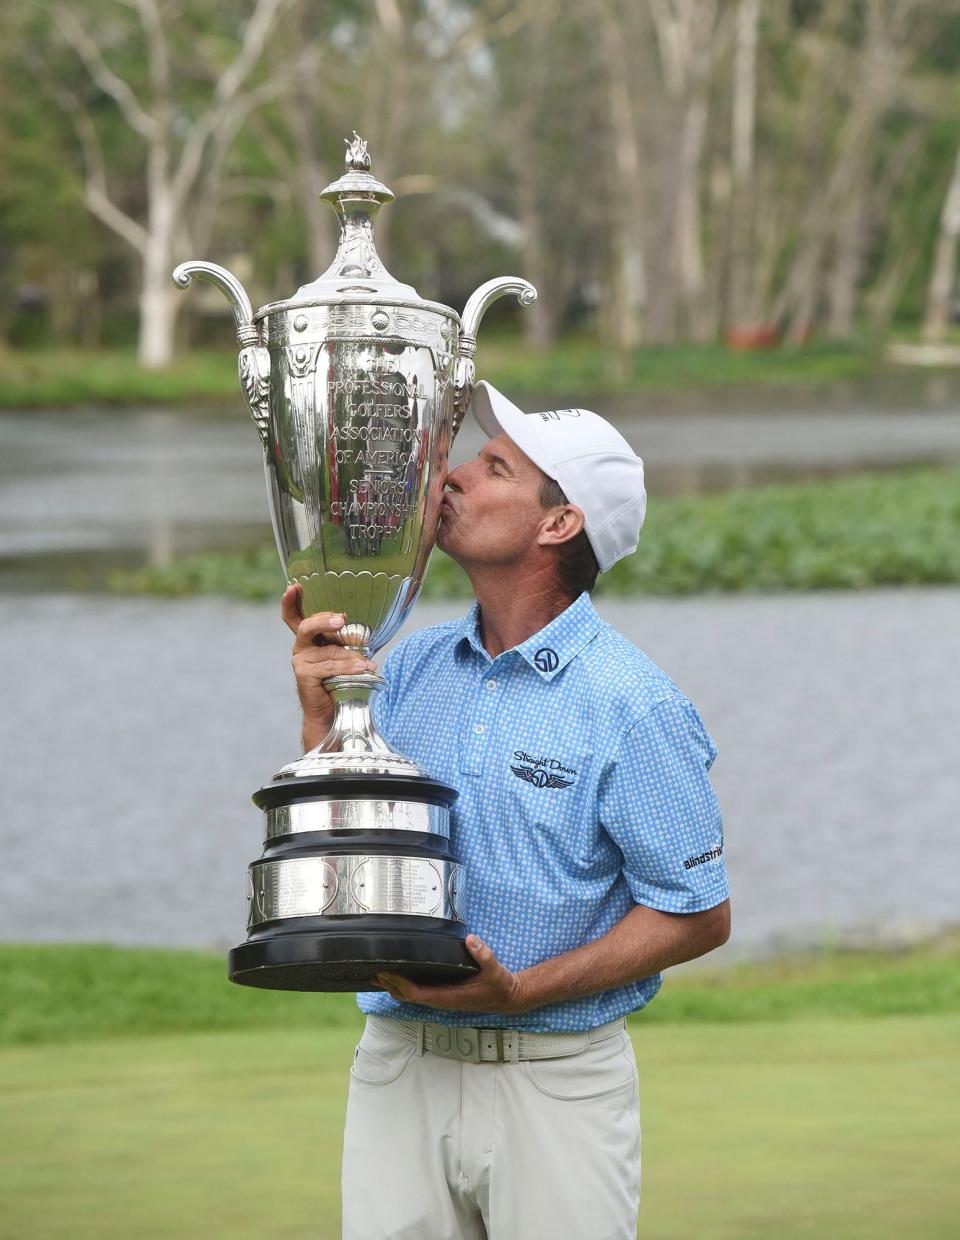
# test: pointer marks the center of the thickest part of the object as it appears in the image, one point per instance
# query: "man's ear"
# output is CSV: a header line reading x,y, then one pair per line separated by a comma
x,y
560,525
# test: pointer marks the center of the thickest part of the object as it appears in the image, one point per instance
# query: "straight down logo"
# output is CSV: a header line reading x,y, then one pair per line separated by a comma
x,y
539,777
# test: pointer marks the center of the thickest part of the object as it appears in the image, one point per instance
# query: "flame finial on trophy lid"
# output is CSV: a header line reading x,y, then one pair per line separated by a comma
x,y
357,157
356,197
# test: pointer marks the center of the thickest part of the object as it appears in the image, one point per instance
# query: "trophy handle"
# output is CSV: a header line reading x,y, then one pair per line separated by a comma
x,y
473,312
254,359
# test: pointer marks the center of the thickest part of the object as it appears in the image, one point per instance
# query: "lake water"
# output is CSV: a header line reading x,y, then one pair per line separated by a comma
x,y
136,729
139,728
84,491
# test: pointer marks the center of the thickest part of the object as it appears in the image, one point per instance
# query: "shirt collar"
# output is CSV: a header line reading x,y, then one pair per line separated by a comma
x,y
550,650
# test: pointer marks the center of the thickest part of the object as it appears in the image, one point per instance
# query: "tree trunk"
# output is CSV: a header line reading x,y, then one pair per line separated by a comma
x,y
688,36
628,280
844,280
742,308
943,276
539,320
183,167
159,304
689,248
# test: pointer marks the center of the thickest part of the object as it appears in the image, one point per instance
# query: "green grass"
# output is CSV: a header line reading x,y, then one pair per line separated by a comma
x,y
143,1095
894,528
59,378
56,378
58,993
578,364
834,1128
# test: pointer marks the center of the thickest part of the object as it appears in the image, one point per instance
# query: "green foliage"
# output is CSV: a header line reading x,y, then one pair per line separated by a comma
x,y
469,116
58,993
61,378
900,528
578,364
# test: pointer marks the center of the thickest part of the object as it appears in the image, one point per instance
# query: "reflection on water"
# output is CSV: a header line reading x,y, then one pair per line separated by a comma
x,y
85,491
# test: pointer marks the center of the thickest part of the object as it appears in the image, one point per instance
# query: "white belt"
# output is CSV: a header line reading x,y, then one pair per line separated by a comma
x,y
475,1045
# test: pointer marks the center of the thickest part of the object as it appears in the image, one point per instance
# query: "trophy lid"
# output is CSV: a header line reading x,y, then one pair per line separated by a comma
x,y
356,197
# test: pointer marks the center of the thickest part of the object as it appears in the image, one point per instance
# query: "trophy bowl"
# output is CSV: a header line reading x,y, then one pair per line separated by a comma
x,y
357,387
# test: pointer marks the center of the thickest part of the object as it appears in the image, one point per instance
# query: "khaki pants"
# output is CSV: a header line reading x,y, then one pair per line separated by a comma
x,y
440,1149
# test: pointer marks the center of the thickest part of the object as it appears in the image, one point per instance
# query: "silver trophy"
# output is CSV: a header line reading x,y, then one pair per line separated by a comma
x,y
357,387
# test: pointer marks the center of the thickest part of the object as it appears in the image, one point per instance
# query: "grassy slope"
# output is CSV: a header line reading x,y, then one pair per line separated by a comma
x,y
834,1128
62,377
60,993
895,528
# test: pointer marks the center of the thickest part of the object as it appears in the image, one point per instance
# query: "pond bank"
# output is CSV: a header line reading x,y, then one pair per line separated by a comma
x,y
82,493
65,378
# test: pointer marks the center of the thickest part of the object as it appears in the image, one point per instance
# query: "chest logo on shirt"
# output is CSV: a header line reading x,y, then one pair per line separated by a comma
x,y
543,772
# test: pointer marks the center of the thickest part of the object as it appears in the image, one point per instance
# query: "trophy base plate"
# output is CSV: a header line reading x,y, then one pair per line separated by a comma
x,y
345,959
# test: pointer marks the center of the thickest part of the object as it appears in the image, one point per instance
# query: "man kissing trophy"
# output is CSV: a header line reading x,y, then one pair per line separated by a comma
x,y
357,387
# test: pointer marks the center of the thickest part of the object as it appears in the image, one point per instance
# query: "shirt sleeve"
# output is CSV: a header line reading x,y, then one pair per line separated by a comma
x,y
657,804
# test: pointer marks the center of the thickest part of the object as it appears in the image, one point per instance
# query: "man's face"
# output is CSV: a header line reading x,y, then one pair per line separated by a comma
x,y
491,512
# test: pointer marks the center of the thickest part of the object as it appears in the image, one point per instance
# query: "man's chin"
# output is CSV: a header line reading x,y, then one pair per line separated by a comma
x,y
447,542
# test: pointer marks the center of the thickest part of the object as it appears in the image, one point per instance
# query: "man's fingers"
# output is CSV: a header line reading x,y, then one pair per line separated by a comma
x,y
290,608
394,985
317,628
322,662
479,950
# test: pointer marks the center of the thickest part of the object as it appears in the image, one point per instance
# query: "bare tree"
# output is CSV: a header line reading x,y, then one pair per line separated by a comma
x,y
742,308
628,291
864,81
943,276
690,36
184,157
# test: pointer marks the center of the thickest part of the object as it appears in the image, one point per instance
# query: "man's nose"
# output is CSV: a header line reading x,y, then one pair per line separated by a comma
x,y
452,479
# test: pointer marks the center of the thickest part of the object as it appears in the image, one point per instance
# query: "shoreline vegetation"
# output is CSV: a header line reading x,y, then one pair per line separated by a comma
x,y
900,527
62,378
55,993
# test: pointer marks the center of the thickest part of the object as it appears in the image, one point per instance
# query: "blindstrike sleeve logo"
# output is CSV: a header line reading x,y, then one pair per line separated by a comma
x,y
543,772
712,855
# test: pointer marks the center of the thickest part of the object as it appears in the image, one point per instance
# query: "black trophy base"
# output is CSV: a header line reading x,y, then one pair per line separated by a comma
x,y
343,958
351,941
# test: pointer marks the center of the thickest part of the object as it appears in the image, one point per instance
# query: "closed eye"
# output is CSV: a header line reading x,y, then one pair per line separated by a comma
x,y
497,465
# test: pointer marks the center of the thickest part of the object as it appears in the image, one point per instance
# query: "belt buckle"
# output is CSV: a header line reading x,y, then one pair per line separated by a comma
x,y
456,1042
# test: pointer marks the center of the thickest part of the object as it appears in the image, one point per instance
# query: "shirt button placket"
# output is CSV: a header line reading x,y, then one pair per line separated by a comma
x,y
482,720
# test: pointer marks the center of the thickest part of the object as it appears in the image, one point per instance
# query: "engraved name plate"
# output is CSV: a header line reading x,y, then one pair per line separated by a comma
x,y
301,887
398,884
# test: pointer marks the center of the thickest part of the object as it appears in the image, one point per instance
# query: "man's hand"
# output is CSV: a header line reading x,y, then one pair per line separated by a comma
x,y
493,989
644,941
315,659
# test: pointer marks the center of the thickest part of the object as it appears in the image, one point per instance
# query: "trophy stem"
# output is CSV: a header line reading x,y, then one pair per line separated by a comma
x,y
353,746
353,730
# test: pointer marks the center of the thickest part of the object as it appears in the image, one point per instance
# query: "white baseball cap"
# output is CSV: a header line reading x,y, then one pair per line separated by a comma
x,y
590,460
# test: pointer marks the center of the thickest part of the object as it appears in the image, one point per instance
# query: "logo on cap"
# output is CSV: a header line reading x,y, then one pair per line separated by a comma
x,y
546,660
554,415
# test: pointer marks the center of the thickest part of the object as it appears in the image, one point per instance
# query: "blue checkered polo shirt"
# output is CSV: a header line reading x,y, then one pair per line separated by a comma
x,y
582,773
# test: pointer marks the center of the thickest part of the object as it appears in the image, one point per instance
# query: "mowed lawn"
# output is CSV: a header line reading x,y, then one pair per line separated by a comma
x,y
833,1127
